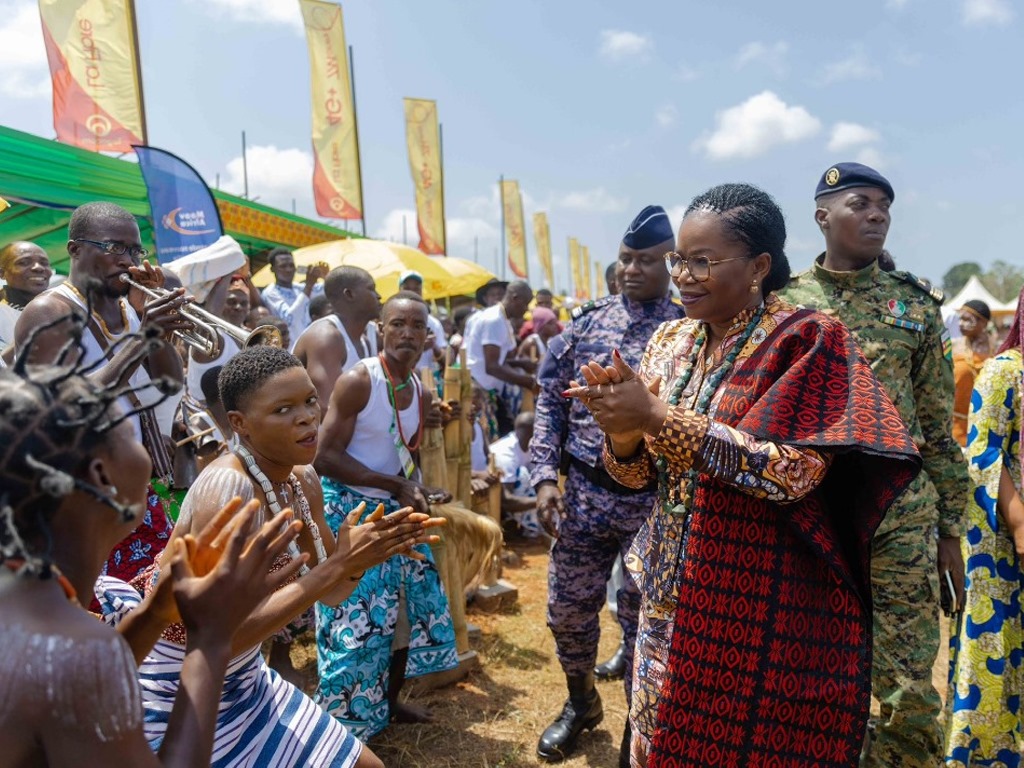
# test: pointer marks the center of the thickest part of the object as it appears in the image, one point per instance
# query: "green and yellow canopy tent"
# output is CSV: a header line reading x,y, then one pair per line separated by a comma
x,y
44,181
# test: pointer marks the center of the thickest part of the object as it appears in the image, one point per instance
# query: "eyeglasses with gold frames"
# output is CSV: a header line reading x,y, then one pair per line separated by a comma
x,y
698,267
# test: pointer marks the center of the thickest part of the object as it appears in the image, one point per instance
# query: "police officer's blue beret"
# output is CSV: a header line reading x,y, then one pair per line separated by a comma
x,y
651,227
848,175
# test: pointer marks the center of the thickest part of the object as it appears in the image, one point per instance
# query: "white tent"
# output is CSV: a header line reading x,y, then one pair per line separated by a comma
x,y
973,289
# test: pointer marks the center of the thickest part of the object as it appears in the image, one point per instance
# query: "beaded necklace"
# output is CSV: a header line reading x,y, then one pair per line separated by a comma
x,y
417,395
301,506
676,500
99,319
16,564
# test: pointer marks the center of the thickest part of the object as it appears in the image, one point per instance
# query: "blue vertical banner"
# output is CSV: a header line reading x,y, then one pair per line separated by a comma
x,y
185,215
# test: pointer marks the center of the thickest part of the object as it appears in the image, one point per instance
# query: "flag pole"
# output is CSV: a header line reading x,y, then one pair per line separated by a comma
x,y
444,221
138,69
355,126
245,170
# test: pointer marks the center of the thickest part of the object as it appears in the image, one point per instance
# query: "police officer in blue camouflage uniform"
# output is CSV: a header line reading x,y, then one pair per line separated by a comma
x,y
896,320
596,518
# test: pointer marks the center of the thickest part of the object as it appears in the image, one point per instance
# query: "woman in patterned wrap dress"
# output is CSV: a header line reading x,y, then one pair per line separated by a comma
x,y
777,453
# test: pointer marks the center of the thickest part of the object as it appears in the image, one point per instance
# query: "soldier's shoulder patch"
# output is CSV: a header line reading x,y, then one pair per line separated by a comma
x,y
947,344
589,306
925,286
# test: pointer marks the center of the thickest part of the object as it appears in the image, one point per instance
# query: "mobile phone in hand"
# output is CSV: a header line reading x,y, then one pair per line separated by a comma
x,y
947,595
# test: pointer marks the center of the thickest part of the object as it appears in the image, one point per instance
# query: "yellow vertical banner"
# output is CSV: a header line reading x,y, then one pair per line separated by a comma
x,y
542,236
600,289
337,190
423,138
515,229
574,266
585,270
97,92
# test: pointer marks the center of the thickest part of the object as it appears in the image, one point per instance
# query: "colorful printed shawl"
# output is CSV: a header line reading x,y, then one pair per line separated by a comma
x,y
771,653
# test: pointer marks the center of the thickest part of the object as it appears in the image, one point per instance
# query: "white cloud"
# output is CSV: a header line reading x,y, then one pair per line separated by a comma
x,y
276,176
856,66
666,115
984,12
848,135
771,56
596,200
618,44
22,52
257,11
871,156
467,237
755,126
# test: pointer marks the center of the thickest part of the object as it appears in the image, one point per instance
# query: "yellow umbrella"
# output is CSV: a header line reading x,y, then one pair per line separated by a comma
x,y
383,260
464,276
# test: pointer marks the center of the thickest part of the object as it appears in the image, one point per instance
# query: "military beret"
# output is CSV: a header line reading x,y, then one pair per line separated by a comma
x,y
651,227
848,175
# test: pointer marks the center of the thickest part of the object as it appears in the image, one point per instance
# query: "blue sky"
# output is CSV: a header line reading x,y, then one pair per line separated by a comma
x,y
600,108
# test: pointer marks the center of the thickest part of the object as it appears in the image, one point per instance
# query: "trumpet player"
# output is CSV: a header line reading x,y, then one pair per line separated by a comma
x,y
286,301
104,244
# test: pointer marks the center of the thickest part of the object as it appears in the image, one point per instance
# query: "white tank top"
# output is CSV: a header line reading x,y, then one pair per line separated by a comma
x,y
372,443
93,353
353,354
194,376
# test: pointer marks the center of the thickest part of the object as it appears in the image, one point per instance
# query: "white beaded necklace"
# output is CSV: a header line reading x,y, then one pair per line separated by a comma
x,y
301,506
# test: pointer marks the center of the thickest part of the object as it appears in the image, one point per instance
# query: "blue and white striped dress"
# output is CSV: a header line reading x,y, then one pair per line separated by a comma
x,y
262,720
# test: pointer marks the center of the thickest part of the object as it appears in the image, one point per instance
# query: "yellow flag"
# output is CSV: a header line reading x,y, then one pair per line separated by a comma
x,y
515,229
423,138
600,289
574,266
542,236
337,190
90,45
4,205
586,271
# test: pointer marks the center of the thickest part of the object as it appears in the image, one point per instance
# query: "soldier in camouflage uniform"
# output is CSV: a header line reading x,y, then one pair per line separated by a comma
x,y
895,319
597,517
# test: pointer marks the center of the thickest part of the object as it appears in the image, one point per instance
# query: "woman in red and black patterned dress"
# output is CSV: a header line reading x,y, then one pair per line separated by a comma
x,y
777,453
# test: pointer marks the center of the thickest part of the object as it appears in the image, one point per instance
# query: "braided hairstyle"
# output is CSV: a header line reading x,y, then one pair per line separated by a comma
x,y
753,217
52,420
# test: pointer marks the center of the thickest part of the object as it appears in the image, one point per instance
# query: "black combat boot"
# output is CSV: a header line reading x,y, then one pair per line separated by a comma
x,y
582,711
615,667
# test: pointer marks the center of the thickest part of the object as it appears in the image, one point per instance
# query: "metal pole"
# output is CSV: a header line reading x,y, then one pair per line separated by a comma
x,y
245,169
355,126
444,222
138,70
405,234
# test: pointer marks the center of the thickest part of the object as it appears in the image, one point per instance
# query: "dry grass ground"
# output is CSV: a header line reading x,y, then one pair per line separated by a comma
x,y
494,718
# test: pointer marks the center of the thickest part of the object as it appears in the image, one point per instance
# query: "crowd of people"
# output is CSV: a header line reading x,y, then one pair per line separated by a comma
x,y
774,480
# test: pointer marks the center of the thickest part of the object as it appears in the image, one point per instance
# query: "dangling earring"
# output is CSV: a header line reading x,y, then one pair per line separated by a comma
x,y
754,287
112,491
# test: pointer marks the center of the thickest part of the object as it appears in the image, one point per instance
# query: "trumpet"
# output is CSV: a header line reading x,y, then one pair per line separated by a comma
x,y
207,335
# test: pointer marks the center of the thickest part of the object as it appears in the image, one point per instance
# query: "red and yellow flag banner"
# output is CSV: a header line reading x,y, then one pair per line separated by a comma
x,y
542,237
585,269
336,176
90,45
423,138
574,267
515,229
